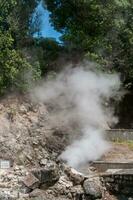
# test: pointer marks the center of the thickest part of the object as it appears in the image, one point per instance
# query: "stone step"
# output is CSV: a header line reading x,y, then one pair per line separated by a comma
x,y
102,166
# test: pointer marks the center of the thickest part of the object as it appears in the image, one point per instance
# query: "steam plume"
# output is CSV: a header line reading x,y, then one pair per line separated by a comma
x,y
79,97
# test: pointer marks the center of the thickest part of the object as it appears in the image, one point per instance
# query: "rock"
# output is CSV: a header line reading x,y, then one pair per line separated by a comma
x,y
78,189
47,175
1,107
30,181
91,168
8,195
29,157
44,195
43,161
92,188
63,181
62,187
100,199
36,193
77,192
75,176
23,109
56,144
47,163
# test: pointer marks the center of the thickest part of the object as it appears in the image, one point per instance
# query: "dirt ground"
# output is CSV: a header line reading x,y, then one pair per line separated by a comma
x,y
120,152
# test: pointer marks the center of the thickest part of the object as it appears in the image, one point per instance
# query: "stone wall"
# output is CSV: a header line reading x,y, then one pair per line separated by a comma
x,y
119,134
118,181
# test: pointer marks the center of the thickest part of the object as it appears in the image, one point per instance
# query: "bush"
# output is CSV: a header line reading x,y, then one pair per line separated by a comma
x,y
15,71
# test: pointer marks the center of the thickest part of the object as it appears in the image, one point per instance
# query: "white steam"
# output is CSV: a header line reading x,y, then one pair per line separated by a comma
x,y
90,147
79,97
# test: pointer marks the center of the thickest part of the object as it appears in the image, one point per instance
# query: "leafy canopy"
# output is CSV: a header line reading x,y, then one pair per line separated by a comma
x,y
103,30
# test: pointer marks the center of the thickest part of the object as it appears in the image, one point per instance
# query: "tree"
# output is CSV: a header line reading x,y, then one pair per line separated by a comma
x,y
13,65
101,29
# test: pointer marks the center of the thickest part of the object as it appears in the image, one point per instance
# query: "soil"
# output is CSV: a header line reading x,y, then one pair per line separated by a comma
x,y
122,152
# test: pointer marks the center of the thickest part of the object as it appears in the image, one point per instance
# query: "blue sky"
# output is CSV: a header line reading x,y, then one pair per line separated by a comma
x,y
46,30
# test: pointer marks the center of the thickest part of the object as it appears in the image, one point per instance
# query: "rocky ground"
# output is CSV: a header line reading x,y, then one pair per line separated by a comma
x,y
26,134
32,144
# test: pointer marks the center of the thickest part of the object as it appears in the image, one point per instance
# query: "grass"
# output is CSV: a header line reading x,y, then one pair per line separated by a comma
x,y
129,143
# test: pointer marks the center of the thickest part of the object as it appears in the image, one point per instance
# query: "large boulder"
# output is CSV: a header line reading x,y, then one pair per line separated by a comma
x,y
62,187
47,175
29,183
75,176
92,189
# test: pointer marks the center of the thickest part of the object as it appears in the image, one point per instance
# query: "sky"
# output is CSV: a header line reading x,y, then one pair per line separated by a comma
x,y
46,30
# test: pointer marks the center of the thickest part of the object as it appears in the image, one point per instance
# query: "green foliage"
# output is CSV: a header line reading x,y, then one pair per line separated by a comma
x,y
102,29
20,19
81,22
48,52
13,66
